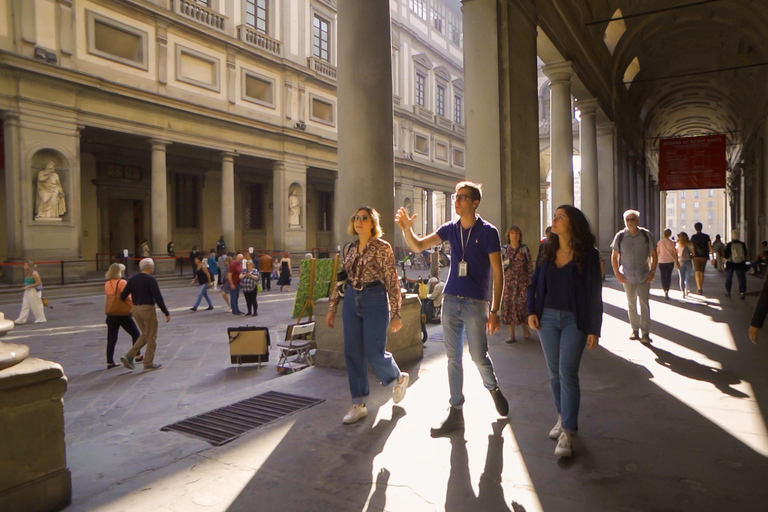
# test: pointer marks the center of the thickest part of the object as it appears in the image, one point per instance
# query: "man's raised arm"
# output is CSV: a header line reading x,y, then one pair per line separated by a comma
x,y
416,244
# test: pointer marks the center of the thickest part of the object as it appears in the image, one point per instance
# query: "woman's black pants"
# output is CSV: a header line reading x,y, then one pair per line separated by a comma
x,y
114,323
666,275
251,303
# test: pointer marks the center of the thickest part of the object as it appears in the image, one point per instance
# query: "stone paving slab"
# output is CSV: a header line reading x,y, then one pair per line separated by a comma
x,y
678,426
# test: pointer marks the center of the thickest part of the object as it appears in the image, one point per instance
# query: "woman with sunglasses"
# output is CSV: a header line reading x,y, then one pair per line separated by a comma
x,y
565,305
371,296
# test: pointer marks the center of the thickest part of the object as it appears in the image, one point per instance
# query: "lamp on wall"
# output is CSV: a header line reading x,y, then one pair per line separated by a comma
x,y
300,125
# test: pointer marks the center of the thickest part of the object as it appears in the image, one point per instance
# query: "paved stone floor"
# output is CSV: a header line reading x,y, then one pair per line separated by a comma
x,y
677,426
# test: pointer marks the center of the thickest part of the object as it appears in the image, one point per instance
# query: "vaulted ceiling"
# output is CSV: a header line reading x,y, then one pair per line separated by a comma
x,y
703,64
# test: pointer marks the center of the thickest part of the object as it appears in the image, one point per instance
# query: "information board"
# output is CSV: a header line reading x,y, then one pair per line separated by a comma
x,y
692,162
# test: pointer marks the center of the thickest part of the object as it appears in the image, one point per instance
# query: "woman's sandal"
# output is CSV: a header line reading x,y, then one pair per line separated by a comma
x,y
139,358
113,365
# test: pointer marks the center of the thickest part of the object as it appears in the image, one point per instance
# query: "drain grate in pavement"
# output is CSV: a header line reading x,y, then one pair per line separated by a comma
x,y
222,425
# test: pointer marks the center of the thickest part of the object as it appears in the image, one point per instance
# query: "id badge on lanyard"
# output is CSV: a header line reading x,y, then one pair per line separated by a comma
x,y
462,269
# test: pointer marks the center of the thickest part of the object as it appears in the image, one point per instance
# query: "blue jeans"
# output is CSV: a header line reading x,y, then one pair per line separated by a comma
x,y
741,274
203,293
366,318
460,314
563,344
234,296
685,271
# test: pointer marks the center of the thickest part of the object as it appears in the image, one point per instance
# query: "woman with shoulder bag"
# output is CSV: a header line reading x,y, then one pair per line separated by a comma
x,y
667,252
33,295
118,313
371,302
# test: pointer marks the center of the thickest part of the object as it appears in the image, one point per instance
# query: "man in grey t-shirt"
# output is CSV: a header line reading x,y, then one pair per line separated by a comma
x,y
634,261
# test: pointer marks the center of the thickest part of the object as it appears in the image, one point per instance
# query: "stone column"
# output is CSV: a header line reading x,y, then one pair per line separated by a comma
x,y
430,215
228,200
449,208
366,157
632,179
291,176
13,186
609,198
159,217
590,193
561,132
481,80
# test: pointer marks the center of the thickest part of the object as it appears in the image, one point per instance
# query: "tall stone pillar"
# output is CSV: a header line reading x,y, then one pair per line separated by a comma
x,y
590,193
430,216
159,197
13,186
449,207
228,199
502,109
289,200
561,132
366,157
481,82
632,178
609,197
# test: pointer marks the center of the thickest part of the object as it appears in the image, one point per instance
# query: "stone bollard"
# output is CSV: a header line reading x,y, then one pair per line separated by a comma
x,y
406,345
33,466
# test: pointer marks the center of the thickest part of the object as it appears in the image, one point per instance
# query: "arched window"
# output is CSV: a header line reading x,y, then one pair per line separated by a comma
x,y
614,31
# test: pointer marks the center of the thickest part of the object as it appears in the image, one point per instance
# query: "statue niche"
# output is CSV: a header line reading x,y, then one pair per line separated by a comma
x,y
50,205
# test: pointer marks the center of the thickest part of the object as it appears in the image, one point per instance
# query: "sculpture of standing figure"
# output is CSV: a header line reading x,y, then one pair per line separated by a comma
x,y
50,194
294,210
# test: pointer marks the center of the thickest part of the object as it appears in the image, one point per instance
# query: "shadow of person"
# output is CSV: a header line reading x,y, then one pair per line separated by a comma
x,y
721,379
459,494
312,469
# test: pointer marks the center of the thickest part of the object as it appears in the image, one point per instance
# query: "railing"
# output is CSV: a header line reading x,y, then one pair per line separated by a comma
x,y
458,128
259,40
321,67
201,14
396,100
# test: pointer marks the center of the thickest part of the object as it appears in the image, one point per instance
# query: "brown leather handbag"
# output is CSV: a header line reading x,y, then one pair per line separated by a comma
x,y
117,306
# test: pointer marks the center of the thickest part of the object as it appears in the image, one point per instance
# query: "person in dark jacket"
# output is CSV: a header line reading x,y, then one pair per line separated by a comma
x,y
145,293
565,305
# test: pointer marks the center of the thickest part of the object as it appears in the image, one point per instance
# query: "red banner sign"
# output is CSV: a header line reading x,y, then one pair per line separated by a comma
x,y
692,163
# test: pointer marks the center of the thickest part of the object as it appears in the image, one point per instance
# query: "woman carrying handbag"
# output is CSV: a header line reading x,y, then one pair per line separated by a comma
x,y
33,295
118,313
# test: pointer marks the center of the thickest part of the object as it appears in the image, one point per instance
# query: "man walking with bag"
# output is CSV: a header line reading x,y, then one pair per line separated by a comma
x,y
735,254
633,248
145,292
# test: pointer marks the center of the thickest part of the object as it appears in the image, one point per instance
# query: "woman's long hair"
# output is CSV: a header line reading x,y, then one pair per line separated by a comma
x,y
32,268
115,271
582,238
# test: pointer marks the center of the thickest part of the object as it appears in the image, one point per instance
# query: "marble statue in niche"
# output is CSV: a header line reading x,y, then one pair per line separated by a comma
x,y
294,210
51,204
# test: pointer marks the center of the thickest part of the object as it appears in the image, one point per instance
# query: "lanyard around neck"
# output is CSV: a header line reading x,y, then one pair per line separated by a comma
x,y
463,244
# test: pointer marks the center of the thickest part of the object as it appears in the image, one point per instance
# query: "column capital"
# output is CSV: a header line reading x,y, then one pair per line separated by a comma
x,y
159,144
558,72
587,106
229,156
606,127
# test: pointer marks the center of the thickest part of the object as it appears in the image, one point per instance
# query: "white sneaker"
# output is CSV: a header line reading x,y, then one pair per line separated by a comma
x,y
557,429
355,413
564,445
398,392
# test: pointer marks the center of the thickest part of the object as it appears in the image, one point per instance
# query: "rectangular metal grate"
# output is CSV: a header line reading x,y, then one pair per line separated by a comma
x,y
222,425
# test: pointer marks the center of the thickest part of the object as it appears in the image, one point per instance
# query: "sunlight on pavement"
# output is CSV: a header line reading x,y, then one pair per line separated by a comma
x,y
447,468
687,374
210,482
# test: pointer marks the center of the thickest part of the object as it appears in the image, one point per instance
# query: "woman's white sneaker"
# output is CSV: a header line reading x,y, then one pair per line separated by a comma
x,y
555,432
564,445
355,413
398,392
